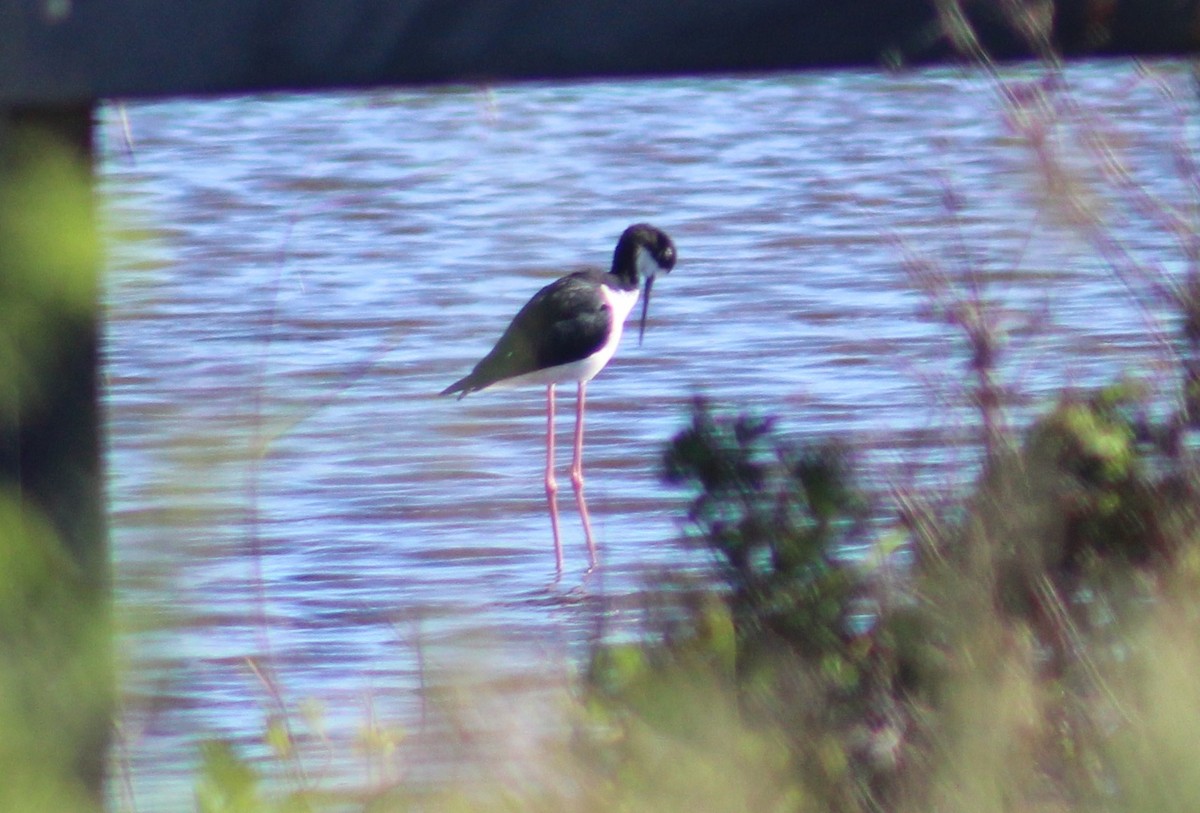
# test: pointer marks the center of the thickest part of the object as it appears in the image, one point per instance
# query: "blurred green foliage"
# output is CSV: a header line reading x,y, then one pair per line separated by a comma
x,y
55,669
50,262
994,672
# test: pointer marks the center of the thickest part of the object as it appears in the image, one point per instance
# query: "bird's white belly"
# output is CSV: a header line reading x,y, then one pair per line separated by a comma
x,y
621,303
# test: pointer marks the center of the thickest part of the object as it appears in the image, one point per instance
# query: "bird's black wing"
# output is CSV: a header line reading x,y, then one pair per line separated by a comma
x,y
566,321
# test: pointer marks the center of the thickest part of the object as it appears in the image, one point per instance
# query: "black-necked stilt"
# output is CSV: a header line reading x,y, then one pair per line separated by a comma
x,y
568,332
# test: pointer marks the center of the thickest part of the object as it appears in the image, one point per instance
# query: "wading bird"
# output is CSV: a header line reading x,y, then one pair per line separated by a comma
x,y
567,333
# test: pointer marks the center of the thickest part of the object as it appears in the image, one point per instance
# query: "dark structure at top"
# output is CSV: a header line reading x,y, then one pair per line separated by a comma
x,y
72,51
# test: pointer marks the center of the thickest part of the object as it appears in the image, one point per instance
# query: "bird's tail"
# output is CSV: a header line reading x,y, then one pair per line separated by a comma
x,y
462,387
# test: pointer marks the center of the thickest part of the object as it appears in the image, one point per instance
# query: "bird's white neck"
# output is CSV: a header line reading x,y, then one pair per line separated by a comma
x,y
622,302
647,266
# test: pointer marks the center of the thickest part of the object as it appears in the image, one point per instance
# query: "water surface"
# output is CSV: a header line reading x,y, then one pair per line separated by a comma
x,y
295,278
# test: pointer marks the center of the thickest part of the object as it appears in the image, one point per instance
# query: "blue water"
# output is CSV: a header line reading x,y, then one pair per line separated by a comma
x,y
294,278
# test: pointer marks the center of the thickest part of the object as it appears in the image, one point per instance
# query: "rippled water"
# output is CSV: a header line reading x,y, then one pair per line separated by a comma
x,y
300,275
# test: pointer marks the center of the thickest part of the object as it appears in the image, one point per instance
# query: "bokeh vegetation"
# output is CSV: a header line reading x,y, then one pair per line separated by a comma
x,y
55,669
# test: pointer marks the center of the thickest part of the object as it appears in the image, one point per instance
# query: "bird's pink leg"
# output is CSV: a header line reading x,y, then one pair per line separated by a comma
x,y
551,484
577,473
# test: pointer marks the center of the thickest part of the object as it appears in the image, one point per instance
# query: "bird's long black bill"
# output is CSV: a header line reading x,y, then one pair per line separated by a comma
x,y
645,309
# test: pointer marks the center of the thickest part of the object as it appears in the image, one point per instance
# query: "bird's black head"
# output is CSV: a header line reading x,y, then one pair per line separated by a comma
x,y
642,253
